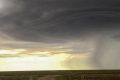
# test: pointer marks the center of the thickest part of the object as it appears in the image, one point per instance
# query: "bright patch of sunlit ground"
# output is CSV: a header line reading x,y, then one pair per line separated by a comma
x,y
41,60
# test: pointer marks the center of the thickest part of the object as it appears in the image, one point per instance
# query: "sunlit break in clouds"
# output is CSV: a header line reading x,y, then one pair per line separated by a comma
x,y
59,34
22,60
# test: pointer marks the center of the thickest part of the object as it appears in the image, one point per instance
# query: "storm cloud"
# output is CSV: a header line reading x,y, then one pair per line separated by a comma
x,y
48,20
60,21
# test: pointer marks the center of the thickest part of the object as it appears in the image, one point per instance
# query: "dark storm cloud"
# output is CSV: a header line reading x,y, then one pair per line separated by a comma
x,y
63,20
45,20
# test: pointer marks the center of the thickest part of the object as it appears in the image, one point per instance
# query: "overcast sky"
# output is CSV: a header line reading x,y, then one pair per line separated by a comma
x,y
72,24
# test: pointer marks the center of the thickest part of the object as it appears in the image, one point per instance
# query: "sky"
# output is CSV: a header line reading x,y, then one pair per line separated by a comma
x,y
59,34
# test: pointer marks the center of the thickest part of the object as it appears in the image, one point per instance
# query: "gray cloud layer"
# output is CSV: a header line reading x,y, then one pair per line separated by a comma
x,y
59,21
46,20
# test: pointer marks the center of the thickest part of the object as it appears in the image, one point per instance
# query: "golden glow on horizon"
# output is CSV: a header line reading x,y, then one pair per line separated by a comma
x,y
39,60
8,51
34,63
